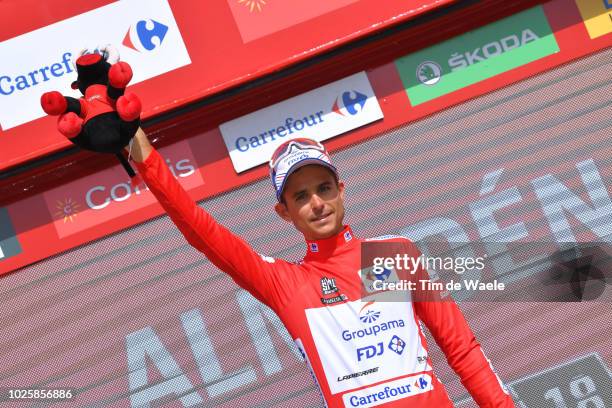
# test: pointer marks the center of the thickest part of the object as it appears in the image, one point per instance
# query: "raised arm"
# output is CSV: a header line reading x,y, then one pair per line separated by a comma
x,y
268,279
463,353
141,148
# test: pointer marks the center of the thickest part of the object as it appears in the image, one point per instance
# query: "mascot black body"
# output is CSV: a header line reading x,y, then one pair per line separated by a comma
x,y
106,118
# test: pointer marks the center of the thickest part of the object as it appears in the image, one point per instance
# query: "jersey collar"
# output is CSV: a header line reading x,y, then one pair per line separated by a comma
x,y
327,246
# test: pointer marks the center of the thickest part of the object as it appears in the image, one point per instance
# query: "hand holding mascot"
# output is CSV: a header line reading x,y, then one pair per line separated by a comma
x,y
106,117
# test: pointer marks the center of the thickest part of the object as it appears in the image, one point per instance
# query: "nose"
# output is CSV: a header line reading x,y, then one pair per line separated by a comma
x,y
316,202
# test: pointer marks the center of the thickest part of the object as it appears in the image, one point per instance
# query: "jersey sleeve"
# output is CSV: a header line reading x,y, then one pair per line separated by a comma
x,y
268,279
452,333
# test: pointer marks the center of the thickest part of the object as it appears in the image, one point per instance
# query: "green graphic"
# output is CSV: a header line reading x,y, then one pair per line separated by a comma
x,y
477,55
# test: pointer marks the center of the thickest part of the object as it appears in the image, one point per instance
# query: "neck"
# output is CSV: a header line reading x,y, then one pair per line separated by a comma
x,y
338,230
326,246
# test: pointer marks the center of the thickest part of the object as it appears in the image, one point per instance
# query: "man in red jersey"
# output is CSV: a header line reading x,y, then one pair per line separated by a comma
x,y
361,351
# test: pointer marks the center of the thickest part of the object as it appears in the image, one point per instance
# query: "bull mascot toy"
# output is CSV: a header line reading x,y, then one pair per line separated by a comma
x,y
106,117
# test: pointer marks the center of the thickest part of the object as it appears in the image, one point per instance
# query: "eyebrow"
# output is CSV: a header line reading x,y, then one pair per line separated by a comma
x,y
297,193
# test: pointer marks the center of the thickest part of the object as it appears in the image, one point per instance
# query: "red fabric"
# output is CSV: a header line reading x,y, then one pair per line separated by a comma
x,y
88,59
295,292
129,107
53,103
120,74
97,102
69,124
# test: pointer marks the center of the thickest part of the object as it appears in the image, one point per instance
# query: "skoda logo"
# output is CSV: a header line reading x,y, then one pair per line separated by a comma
x,y
429,73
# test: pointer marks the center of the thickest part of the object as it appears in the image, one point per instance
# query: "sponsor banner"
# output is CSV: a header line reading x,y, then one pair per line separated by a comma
x,y
144,31
382,345
34,233
391,391
258,18
512,165
319,114
93,200
597,16
210,51
477,55
9,245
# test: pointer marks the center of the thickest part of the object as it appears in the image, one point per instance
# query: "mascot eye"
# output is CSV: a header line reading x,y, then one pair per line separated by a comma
x,y
109,53
98,50
103,53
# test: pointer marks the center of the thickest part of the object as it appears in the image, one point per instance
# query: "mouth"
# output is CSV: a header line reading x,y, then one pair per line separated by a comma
x,y
321,218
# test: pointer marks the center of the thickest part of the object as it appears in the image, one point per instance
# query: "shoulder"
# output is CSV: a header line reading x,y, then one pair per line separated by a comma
x,y
278,261
397,242
389,238
288,267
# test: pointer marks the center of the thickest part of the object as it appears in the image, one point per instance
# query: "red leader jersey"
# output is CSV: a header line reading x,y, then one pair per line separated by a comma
x,y
361,353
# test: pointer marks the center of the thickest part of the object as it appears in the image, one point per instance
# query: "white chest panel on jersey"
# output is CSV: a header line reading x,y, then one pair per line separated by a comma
x,y
362,343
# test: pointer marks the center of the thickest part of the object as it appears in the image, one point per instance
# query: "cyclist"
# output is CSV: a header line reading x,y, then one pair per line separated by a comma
x,y
362,352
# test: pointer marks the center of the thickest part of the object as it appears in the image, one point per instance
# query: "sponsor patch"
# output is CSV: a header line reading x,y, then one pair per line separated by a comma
x,y
363,335
320,114
476,55
391,391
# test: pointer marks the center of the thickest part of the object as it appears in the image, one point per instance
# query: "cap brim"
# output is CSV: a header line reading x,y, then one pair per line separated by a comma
x,y
301,164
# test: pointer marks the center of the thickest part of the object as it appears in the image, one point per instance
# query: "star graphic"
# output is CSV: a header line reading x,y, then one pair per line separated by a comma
x,y
67,209
253,4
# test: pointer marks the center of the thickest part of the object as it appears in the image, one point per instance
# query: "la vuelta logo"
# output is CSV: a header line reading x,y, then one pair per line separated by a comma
x,y
145,35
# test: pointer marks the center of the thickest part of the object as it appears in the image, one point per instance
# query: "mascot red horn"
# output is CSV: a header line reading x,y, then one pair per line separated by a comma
x,y
106,118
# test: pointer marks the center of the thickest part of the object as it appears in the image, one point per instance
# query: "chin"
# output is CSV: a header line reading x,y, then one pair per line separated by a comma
x,y
324,231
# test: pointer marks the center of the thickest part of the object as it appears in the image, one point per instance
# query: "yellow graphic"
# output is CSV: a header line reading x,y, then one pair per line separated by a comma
x,y
67,209
253,4
597,16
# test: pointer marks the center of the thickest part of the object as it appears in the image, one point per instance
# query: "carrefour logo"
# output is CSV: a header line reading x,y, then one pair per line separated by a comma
x,y
381,276
388,391
350,102
321,113
145,35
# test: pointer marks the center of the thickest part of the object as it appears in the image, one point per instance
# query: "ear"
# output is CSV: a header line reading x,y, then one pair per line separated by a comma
x,y
341,189
77,55
282,211
111,53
